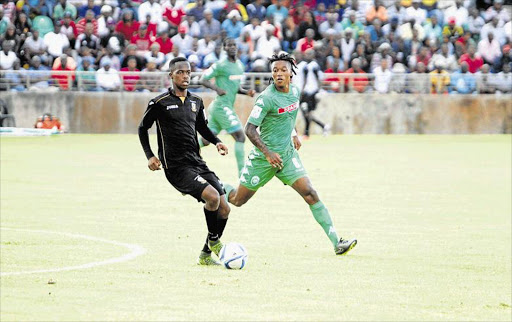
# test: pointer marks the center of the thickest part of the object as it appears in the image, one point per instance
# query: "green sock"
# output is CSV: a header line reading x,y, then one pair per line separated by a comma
x,y
228,189
240,156
322,216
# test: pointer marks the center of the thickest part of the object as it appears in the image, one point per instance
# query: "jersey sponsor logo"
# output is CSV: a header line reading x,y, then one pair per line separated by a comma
x,y
255,180
289,108
235,77
170,107
194,106
200,179
256,112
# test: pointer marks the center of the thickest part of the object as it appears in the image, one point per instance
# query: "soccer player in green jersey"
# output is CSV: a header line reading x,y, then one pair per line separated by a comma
x,y
228,73
275,149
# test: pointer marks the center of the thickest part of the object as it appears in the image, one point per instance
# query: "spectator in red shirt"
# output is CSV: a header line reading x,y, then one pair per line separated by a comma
x,y
68,28
127,26
359,82
165,43
334,81
48,121
130,81
62,78
173,15
89,18
141,40
307,42
474,62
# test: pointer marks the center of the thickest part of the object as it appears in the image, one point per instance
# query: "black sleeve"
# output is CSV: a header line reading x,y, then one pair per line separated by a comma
x,y
145,124
202,127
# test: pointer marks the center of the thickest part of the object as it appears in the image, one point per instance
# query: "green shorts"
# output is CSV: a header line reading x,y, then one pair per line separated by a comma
x,y
223,118
257,171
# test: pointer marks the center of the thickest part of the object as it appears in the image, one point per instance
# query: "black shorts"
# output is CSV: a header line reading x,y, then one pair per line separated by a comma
x,y
192,180
310,100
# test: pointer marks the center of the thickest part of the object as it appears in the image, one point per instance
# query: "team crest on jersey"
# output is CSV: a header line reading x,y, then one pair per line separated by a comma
x,y
289,108
194,106
255,180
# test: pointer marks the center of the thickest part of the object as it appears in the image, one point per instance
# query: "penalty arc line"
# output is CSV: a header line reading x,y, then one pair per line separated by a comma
x,y
135,251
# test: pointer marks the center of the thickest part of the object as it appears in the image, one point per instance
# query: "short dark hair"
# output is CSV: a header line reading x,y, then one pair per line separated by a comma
x,y
226,41
176,60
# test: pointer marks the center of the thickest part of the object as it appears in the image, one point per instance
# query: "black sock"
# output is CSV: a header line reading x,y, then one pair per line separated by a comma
x,y
206,249
212,223
221,225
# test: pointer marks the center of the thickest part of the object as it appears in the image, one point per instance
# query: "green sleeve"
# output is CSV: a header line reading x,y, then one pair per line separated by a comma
x,y
259,111
211,72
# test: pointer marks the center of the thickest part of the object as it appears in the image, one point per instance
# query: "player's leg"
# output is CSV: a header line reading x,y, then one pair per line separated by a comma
x,y
215,223
239,196
239,137
305,112
294,175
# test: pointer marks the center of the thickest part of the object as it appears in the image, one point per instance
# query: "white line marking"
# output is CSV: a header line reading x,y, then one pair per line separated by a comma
x,y
135,251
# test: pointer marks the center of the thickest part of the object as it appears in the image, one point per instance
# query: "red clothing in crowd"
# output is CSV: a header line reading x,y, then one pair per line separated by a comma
x,y
62,79
174,15
303,44
474,64
47,122
80,26
358,82
70,28
165,46
127,29
142,43
152,30
332,79
130,81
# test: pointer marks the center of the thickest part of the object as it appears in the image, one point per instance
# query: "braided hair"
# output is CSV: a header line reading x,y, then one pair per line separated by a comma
x,y
284,56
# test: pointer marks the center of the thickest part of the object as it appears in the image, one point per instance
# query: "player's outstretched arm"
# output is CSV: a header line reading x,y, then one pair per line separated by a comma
x,y
249,92
145,124
208,84
272,157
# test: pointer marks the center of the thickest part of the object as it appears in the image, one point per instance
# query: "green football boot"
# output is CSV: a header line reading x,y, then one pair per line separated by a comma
x,y
344,246
206,259
215,246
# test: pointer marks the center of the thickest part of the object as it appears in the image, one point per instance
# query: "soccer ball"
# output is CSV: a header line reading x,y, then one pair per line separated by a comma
x,y
233,256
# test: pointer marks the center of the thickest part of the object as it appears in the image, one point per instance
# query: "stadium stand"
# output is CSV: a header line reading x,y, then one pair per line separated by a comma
x,y
402,46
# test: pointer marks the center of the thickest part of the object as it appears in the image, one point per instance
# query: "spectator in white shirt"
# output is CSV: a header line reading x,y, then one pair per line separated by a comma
x,y
497,10
205,46
475,21
267,45
416,13
35,45
445,58
489,49
458,11
254,29
153,9
55,41
330,23
104,20
504,80
348,45
7,56
499,33
107,78
193,26
398,11
183,40
382,77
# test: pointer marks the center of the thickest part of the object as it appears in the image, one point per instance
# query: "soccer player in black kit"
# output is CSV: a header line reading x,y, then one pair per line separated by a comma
x,y
179,115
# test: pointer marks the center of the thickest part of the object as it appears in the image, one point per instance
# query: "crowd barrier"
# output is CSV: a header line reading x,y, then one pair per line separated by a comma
x,y
120,112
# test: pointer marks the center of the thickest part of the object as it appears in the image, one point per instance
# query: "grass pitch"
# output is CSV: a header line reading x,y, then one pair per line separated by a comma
x,y
432,215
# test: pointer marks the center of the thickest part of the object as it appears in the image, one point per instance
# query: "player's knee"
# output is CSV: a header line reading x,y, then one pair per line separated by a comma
x,y
311,196
212,199
224,211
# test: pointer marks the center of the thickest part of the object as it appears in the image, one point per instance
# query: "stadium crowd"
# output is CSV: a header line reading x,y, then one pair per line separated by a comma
x,y
385,45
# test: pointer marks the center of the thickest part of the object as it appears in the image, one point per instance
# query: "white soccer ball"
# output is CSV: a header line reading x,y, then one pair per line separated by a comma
x,y
233,256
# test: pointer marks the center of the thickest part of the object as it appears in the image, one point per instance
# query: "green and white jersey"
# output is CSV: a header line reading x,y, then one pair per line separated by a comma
x,y
228,76
275,113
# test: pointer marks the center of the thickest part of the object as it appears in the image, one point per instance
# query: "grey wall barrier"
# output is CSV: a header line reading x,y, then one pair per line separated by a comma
x,y
105,112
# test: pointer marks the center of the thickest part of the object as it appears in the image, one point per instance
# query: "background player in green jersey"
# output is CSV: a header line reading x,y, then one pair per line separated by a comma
x,y
228,73
274,153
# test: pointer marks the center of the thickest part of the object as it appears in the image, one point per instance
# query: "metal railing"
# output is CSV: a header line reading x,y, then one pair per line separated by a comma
x,y
28,80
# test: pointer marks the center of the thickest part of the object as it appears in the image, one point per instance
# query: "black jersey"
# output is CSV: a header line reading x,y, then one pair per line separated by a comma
x,y
177,124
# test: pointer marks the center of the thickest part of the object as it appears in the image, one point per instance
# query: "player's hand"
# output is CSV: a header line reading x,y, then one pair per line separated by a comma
x,y
222,148
274,159
221,92
154,164
251,92
296,142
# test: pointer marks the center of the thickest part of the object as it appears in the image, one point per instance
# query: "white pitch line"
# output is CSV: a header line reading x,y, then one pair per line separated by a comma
x,y
135,251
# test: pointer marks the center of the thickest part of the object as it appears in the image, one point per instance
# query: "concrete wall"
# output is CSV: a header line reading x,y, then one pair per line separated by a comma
x,y
90,112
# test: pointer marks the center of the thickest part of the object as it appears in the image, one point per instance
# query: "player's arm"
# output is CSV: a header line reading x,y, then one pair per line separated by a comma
x,y
145,124
206,133
272,157
296,140
249,92
210,73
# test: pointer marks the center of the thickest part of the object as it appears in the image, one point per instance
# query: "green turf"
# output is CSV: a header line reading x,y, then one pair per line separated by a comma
x,y
432,215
